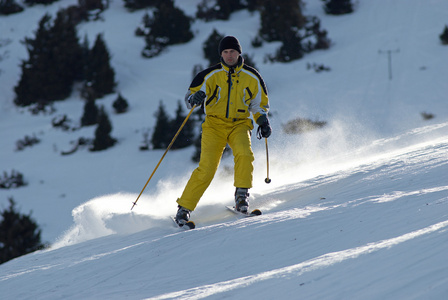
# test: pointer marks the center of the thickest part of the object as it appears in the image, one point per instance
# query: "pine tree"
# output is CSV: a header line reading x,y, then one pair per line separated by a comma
x,y
67,50
186,135
444,36
53,64
210,47
222,9
321,40
92,4
161,137
29,89
278,19
103,139
85,50
139,4
299,34
120,104
91,113
226,7
205,11
172,23
32,2
145,25
291,48
9,7
100,77
338,7
19,234
253,5
169,26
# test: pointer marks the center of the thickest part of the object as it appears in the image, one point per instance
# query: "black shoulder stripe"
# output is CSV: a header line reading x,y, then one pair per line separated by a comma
x,y
199,78
255,72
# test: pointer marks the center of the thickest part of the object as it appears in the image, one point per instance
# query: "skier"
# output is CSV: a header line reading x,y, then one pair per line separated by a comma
x,y
228,92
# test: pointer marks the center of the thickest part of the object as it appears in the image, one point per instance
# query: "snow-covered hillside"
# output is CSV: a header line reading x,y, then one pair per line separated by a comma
x,y
357,210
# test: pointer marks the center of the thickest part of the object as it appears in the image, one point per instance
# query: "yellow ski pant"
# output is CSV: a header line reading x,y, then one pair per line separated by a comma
x,y
216,133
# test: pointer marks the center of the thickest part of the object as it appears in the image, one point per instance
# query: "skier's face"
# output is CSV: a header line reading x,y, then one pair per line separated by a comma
x,y
230,57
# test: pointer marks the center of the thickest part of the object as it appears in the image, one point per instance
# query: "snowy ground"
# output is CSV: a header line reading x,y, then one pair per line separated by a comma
x,y
357,210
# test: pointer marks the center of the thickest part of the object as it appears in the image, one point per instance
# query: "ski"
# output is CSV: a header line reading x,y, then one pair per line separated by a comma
x,y
187,226
253,213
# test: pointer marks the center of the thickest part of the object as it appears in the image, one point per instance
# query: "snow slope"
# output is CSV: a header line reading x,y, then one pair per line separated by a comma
x,y
357,210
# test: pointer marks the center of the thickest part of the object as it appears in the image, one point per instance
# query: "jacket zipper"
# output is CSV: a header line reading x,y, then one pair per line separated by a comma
x,y
229,81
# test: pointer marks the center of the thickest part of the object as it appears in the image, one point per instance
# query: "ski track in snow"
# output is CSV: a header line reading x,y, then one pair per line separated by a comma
x,y
299,269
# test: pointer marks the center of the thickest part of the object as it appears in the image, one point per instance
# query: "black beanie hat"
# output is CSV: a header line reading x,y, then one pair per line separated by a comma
x,y
229,42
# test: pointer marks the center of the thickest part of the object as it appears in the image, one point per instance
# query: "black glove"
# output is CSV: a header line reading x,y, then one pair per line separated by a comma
x,y
264,128
197,98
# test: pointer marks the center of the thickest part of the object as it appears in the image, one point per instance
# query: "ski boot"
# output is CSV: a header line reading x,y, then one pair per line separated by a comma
x,y
182,216
242,200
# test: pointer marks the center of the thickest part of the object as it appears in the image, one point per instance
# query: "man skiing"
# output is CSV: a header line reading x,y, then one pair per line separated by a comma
x,y
228,91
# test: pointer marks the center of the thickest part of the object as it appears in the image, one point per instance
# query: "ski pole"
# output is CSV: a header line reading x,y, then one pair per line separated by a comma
x,y
267,180
163,156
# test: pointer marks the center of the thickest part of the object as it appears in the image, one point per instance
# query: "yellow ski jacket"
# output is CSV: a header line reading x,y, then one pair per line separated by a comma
x,y
232,92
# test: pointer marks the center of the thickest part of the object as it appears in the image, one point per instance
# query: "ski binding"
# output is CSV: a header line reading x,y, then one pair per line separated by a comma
x,y
253,213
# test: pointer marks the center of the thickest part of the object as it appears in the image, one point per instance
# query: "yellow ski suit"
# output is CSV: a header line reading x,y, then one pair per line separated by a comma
x,y
232,93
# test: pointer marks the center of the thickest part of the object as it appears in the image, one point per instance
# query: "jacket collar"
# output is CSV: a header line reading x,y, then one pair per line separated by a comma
x,y
234,69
